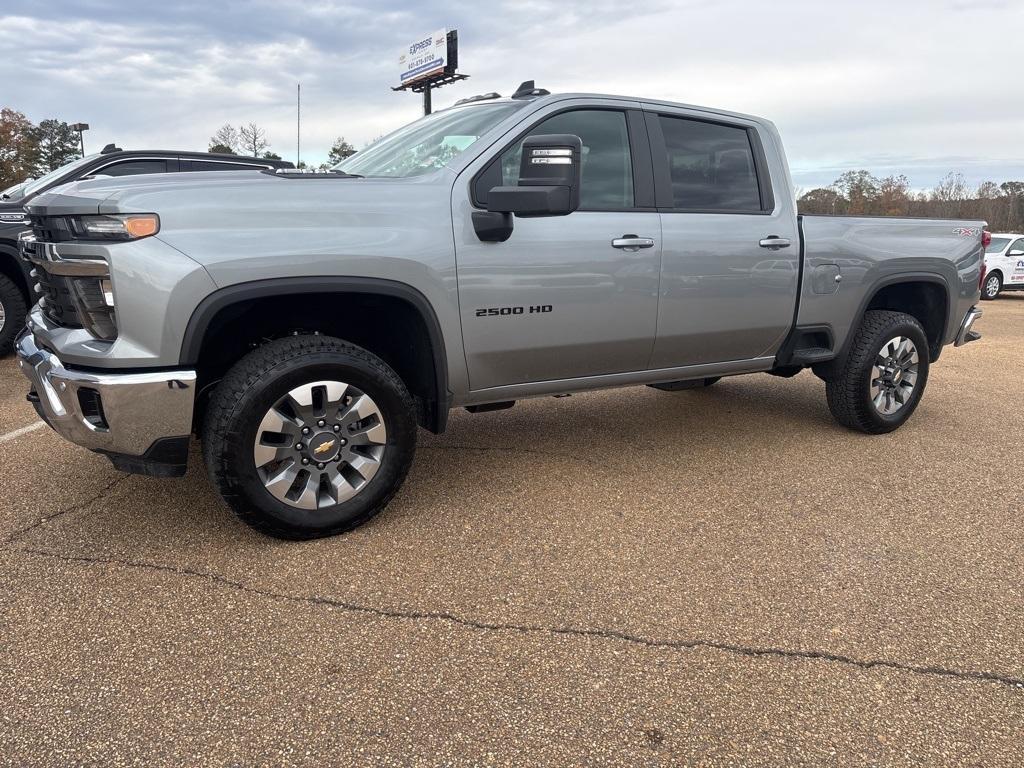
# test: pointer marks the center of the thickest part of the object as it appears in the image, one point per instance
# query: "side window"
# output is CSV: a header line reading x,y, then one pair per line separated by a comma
x,y
711,166
206,165
1017,246
607,173
134,167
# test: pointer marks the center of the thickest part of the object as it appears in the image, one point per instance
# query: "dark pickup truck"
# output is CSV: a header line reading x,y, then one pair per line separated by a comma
x,y
16,292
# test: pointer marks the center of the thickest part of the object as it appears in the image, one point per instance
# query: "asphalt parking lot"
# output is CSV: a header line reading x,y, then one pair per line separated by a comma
x,y
628,577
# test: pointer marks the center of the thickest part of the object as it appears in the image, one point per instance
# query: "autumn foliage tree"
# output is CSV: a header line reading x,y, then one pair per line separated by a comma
x,y
860,193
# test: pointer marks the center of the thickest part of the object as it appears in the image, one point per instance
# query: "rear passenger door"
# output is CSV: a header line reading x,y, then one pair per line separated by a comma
x,y
730,245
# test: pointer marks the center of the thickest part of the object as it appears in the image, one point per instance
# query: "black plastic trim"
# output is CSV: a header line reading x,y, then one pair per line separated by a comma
x,y
166,457
203,315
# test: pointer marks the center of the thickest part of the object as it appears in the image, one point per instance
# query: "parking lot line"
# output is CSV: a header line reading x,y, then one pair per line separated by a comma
x,y
23,431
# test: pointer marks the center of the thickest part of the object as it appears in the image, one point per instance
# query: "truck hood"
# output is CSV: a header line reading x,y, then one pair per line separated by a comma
x,y
245,224
220,191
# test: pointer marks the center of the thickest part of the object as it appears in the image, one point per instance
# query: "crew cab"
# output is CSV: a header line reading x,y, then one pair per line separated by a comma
x,y
16,285
304,325
1004,265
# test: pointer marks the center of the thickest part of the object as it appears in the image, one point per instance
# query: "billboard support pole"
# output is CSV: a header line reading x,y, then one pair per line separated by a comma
x,y
426,100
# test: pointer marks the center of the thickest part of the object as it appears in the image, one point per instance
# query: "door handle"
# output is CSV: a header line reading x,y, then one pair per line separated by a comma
x,y
774,242
632,242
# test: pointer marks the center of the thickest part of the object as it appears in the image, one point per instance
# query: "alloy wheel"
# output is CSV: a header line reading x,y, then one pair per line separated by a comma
x,y
992,286
894,375
320,444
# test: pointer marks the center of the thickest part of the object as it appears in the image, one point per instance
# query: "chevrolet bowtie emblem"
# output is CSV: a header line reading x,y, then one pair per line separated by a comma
x,y
324,447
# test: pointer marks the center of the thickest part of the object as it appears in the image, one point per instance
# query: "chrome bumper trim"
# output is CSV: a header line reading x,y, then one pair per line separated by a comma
x,y
965,335
139,408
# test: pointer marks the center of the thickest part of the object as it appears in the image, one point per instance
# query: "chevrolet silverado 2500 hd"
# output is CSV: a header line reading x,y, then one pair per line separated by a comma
x,y
303,325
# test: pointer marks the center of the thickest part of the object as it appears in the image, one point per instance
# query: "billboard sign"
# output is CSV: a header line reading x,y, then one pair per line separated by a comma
x,y
427,56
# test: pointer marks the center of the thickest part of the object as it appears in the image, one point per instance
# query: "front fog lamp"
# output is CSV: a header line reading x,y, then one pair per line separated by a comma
x,y
94,300
122,227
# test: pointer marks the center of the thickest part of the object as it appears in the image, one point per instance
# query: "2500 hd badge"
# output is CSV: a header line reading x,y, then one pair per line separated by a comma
x,y
502,311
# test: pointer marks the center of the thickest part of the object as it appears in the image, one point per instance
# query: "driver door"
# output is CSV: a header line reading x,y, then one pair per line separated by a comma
x,y
564,297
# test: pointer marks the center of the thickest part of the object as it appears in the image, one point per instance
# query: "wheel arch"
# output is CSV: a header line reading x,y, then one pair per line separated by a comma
x,y
925,296
228,308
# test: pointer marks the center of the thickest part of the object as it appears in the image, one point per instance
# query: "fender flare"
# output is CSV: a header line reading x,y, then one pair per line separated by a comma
x,y
885,282
208,308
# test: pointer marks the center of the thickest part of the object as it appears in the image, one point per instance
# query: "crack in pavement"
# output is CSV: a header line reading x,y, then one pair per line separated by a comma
x,y
102,493
1015,683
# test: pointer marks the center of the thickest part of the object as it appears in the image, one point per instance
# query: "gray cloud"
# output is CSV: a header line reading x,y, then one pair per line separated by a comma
x,y
915,87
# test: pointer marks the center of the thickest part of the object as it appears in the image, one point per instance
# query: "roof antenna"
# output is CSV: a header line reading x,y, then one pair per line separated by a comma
x,y
528,89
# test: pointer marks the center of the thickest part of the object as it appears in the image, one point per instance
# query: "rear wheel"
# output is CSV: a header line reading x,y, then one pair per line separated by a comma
x,y
993,285
309,436
12,313
884,375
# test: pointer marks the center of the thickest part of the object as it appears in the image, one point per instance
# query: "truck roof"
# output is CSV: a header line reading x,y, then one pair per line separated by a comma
x,y
554,97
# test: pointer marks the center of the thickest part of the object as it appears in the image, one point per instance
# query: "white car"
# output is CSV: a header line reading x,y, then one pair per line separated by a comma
x,y
1004,265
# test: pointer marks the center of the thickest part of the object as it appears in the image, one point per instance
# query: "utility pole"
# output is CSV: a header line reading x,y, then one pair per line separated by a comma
x,y
298,124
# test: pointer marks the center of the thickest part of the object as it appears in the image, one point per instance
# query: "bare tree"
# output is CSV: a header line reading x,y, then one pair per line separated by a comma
x,y
253,139
225,140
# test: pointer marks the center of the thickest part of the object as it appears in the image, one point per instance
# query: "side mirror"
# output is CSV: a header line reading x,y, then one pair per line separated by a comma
x,y
549,179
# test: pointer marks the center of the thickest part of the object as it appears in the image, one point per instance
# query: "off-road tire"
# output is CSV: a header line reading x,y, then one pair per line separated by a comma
x,y
849,389
254,384
986,289
14,309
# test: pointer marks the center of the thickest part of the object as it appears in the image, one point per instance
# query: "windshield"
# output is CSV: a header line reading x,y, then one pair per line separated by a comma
x,y
997,244
34,186
429,143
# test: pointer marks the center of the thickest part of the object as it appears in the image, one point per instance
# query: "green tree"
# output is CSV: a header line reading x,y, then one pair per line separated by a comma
x,y
56,144
822,200
17,145
221,149
340,151
860,188
271,156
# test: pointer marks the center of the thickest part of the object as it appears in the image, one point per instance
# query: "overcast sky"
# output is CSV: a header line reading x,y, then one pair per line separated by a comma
x,y
920,87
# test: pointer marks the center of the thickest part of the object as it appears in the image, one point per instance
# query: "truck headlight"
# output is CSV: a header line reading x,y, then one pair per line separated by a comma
x,y
131,226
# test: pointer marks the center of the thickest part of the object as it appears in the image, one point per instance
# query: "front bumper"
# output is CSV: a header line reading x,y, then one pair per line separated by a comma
x,y
965,335
141,421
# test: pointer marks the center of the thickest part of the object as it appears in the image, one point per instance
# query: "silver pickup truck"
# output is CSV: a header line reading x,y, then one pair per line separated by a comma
x,y
303,325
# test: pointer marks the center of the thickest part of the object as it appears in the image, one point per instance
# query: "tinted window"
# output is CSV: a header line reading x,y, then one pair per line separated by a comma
x,y
607,173
711,166
133,167
1017,246
206,165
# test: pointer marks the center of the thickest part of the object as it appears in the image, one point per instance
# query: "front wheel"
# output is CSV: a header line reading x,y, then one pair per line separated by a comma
x,y
993,285
309,436
884,375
